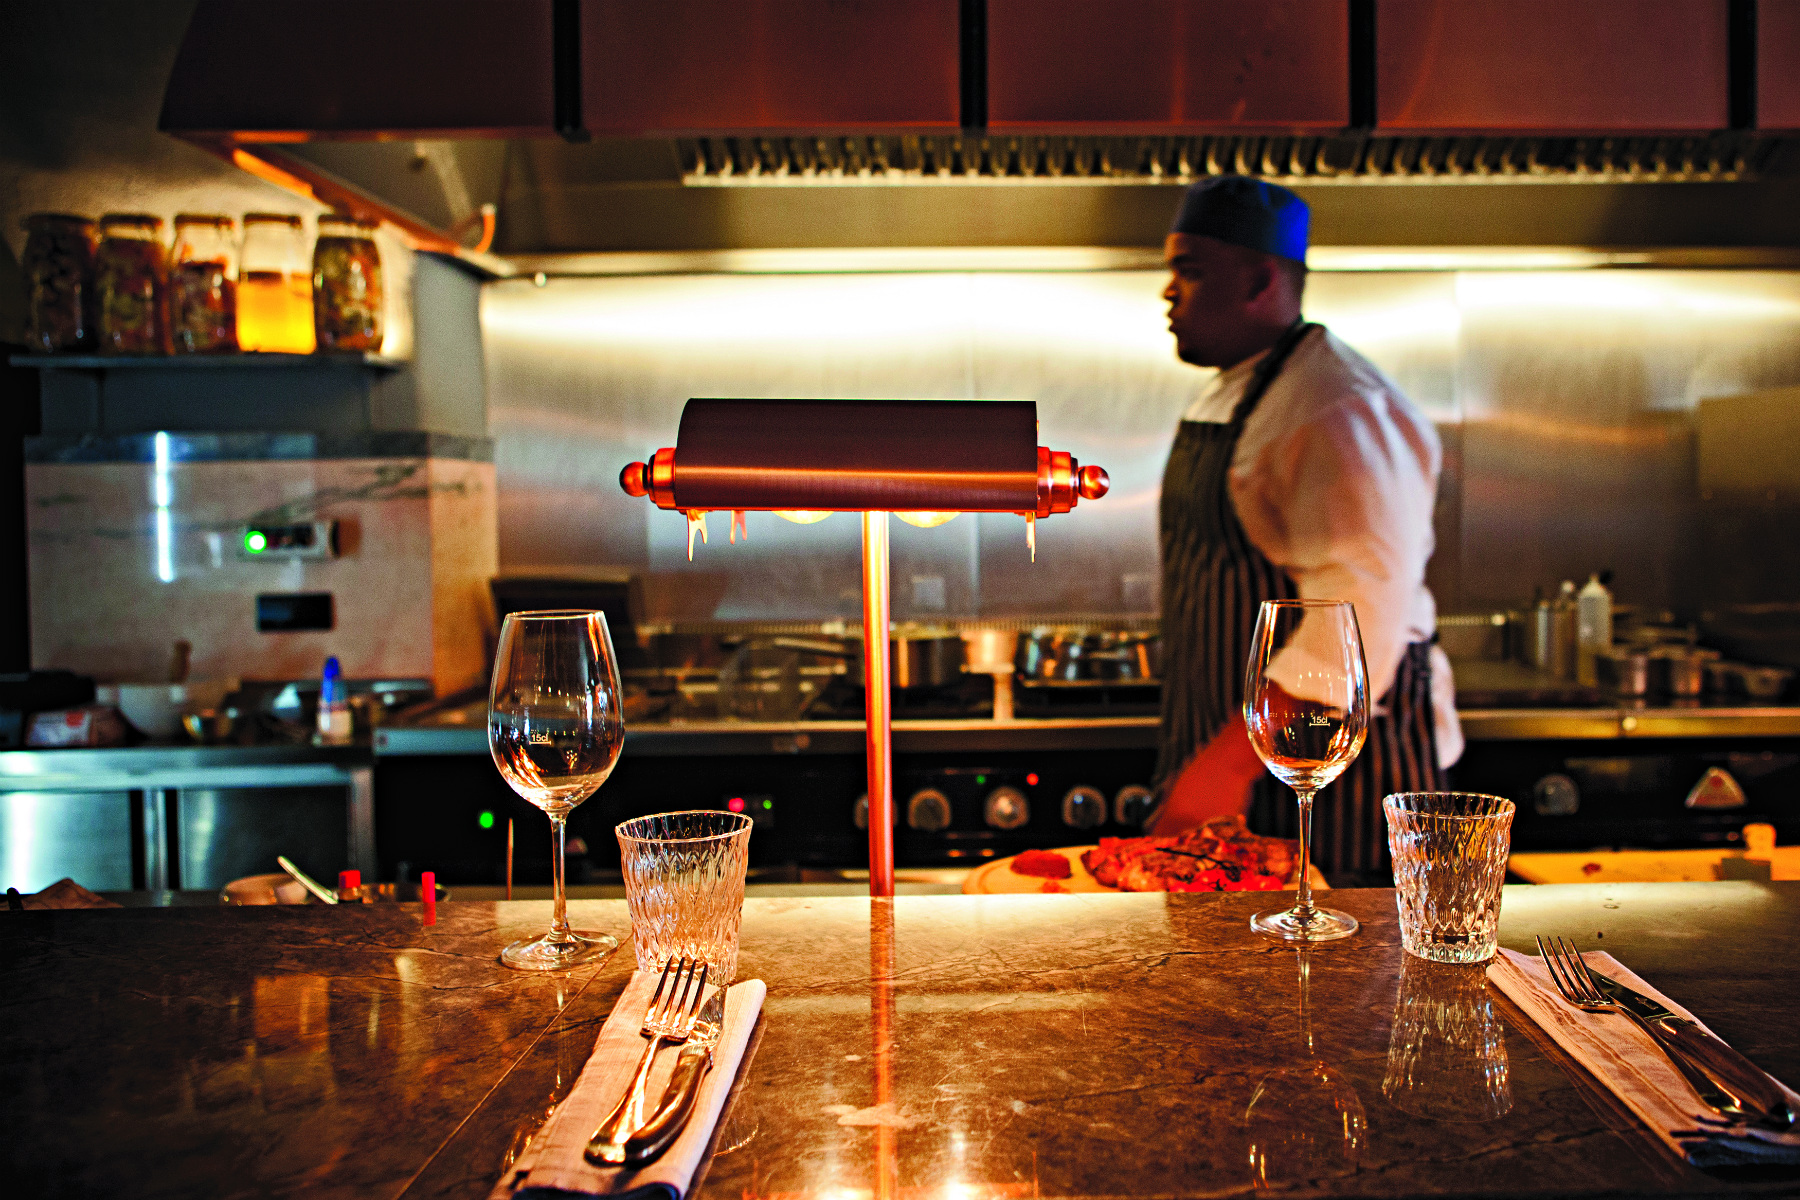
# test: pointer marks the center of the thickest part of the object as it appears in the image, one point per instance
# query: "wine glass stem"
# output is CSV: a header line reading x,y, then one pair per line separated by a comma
x,y
1303,902
559,922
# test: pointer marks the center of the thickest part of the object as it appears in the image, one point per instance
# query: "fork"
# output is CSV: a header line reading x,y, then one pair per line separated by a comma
x,y
1569,970
670,1017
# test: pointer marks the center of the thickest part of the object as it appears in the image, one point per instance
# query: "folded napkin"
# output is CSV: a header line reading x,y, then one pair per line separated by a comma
x,y
1626,1060
554,1163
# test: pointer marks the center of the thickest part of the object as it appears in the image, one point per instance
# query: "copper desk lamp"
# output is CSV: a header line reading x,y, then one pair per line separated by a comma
x,y
926,460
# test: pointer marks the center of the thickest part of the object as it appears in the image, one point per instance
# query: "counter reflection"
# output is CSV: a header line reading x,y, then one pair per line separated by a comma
x,y
1304,1121
1447,1053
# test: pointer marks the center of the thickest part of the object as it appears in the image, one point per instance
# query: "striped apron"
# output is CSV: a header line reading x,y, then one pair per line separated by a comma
x,y
1213,582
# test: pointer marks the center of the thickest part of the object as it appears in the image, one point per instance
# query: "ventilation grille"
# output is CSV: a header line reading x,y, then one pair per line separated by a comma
x,y
713,161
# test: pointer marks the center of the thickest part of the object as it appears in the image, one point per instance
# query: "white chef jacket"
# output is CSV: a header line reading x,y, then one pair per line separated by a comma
x,y
1333,479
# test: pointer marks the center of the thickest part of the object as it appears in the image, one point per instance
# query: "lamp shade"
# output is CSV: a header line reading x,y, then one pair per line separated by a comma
x,y
862,455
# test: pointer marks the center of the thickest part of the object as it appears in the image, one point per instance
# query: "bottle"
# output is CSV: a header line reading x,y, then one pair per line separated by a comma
x,y
1563,630
346,285
274,295
203,285
1593,628
131,274
334,707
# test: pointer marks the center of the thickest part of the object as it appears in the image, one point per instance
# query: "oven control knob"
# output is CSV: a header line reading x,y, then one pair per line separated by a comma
x,y
1132,805
1084,808
860,814
1006,808
928,810
1555,795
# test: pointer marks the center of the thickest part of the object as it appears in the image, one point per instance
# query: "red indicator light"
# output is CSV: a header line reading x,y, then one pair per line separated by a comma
x,y
735,804
1031,779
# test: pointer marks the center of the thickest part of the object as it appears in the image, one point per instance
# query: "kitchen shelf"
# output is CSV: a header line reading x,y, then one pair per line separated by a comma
x,y
111,362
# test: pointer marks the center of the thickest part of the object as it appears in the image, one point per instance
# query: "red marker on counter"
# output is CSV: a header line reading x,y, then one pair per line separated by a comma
x,y
350,885
428,895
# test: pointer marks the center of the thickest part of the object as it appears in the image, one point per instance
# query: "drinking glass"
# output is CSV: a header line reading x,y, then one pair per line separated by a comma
x,y
1449,851
1306,705
684,883
1305,1121
1447,1051
555,726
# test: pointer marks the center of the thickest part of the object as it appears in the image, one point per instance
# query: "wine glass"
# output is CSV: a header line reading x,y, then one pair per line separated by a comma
x,y
555,728
1306,705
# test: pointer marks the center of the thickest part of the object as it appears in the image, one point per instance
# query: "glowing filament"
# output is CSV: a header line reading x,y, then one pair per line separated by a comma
x,y
737,523
696,524
803,516
927,520
1030,534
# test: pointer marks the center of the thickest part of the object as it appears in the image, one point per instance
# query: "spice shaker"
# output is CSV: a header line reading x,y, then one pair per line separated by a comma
x,y
346,284
131,274
59,275
202,287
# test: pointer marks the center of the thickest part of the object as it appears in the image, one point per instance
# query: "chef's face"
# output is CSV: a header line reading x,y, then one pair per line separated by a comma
x,y
1212,287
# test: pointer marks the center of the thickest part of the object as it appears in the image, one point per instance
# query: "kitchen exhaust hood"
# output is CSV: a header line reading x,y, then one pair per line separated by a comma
x,y
612,125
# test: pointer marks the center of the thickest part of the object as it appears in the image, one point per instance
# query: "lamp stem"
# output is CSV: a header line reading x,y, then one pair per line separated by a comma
x,y
879,732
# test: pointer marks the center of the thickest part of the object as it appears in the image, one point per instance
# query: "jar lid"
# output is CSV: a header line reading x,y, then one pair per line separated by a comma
x,y
272,218
41,219
132,221
213,219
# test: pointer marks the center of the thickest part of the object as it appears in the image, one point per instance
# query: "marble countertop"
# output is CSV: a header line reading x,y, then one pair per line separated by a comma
x,y
973,1048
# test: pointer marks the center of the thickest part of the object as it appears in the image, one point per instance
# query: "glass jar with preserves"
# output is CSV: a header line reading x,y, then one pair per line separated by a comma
x,y
274,293
203,285
347,285
59,274
131,273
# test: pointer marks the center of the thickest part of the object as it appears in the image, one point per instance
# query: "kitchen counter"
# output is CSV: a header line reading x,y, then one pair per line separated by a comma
x,y
1028,1046
683,739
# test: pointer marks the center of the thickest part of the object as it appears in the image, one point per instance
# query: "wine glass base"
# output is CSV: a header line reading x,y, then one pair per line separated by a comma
x,y
558,952
1305,925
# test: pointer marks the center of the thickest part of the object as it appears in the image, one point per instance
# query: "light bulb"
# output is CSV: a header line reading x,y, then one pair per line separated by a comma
x,y
927,520
803,516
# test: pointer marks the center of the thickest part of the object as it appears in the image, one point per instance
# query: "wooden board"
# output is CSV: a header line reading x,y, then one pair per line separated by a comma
x,y
997,878
1644,866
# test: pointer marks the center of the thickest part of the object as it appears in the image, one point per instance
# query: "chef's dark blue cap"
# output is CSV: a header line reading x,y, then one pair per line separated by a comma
x,y
1246,212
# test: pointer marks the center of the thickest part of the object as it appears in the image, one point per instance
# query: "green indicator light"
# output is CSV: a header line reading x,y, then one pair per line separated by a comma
x,y
256,541
981,781
485,820
768,804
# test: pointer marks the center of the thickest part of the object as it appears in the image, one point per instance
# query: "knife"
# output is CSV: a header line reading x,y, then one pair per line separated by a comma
x,y
1704,1050
691,1065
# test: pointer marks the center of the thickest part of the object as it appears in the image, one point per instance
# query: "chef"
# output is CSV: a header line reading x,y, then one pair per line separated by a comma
x,y
1300,471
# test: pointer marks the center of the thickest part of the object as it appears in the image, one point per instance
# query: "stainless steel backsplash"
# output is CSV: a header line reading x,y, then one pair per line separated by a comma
x,y
1566,401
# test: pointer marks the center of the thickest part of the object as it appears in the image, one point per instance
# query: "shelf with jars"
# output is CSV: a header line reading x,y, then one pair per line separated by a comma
x,y
117,296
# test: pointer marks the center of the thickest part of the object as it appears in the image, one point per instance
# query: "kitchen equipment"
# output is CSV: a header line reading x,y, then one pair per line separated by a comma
x,y
274,294
1593,627
58,262
131,279
1741,679
325,894
212,726
1482,636
203,285
1623,670
926,658
1679,671
346,284
276,888
154,709
990,652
